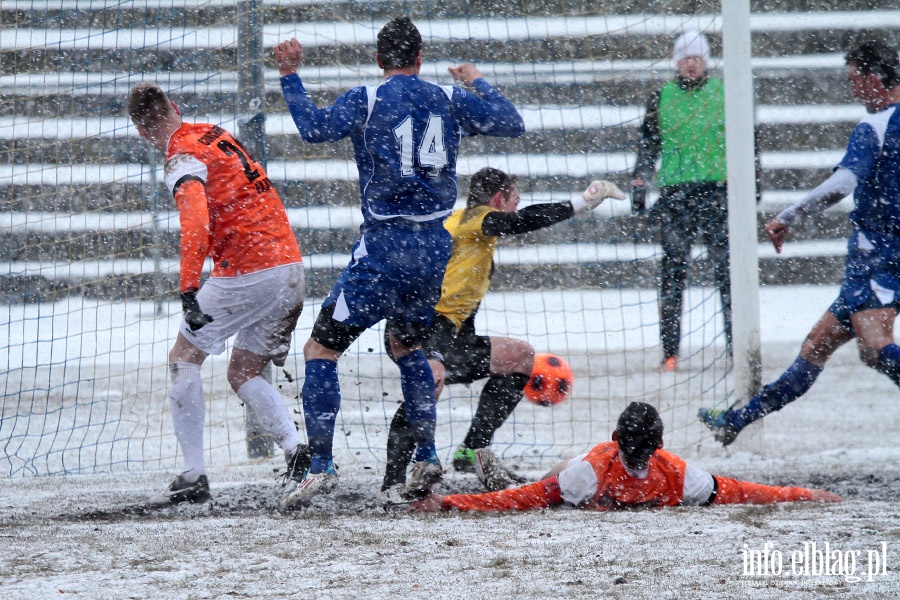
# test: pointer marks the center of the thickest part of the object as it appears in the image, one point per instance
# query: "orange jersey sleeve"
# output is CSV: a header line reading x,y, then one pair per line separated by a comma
x,y
541,494
732,491
248,226
190,198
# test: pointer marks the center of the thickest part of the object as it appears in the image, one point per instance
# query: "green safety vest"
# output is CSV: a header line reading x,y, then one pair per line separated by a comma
x,y
692,129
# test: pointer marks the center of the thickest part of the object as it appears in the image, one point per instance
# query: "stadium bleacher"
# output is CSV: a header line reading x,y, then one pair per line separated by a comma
x,y
77,204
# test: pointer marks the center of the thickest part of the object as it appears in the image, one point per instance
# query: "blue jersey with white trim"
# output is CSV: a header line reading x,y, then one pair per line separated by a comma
x,y
873,155
405,135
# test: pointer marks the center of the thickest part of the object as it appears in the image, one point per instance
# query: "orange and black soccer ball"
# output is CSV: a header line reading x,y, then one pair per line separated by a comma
x,y
551,380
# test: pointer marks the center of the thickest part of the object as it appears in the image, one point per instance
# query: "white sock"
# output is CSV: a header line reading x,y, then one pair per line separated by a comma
x,y
188,414
271,411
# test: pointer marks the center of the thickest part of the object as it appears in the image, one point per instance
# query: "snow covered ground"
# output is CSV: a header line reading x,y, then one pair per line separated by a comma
x,y
74,537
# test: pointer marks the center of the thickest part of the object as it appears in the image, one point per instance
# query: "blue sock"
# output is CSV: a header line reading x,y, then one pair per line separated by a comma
x,y
889,362
321,401
792,384
417,382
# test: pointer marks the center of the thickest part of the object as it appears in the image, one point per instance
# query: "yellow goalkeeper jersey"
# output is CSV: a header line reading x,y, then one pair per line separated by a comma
x,y
471,264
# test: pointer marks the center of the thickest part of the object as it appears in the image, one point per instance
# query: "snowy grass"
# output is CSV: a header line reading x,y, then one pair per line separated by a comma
x,y
70,537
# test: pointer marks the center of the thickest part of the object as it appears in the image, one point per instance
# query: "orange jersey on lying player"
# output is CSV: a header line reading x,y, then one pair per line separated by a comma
x,y
228,208
598,480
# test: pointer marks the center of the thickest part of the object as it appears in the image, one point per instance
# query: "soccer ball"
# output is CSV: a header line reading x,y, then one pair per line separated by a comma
x,y
551,380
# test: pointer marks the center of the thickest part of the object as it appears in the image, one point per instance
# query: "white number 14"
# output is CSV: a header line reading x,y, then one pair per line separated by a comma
x,y
432,152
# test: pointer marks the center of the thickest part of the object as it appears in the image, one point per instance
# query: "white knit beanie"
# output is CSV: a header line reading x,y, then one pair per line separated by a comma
x,y
691,43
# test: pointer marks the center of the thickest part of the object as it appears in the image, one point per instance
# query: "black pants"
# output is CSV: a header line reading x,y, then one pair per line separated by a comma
x,y
686,212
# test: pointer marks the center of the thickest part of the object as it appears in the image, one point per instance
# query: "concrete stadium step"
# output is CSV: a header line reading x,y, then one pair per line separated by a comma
x,y
172,13
798,79
535,39
550,129
57,236
543,267
90,188
201,12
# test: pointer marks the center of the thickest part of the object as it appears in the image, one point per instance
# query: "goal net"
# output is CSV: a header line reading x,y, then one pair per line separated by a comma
x,y
90,252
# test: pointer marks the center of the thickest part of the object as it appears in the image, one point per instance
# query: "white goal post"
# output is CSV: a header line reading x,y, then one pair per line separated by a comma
x,y
742,226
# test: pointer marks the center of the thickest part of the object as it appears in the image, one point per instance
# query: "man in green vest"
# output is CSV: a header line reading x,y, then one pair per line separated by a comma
x,y
684,125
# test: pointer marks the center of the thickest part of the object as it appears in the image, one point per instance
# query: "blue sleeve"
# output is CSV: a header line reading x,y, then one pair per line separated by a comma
x,y
863,150
323,124
487,113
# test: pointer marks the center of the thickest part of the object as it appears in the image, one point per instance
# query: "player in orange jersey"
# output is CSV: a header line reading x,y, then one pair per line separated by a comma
x,y
229,212
631,471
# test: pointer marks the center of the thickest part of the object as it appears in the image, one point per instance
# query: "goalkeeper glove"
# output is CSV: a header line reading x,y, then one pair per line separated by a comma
x,y
638,198
190,308
595,194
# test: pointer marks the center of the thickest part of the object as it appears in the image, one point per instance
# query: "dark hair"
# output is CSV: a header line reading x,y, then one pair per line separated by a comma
x,y
877,58
147,104
639,434
399,43
486,183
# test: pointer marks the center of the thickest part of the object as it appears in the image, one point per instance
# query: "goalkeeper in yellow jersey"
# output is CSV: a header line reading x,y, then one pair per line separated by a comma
x,y
456,353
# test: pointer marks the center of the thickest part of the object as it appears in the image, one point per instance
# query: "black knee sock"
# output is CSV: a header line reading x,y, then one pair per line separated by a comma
x,y
401,445
498,399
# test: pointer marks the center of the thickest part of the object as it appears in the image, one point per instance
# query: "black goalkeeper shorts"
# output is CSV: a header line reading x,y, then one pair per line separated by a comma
x,y
466,356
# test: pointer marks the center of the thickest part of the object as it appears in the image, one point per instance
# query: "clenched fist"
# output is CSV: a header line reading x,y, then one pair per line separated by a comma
x,y
288,55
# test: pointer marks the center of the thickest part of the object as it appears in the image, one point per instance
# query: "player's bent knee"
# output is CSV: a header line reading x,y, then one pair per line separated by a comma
x,y
526,358
313,350
185,352
409,335
329,338
237,377
509,355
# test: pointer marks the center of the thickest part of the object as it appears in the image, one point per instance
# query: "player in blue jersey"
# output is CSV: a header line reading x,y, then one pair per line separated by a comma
x,y
405,135
869,298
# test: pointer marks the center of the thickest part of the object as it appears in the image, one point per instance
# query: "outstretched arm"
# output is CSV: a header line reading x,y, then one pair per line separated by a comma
x,y
732,491
841,183
538,216
541,494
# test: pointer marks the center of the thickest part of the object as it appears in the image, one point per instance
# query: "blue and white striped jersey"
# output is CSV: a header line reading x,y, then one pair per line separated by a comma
x,y
873,155
405,135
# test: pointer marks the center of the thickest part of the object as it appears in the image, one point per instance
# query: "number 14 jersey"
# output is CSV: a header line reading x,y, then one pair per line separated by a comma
x,y
228,208
405,135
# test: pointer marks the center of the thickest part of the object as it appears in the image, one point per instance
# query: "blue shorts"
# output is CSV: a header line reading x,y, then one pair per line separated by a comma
x,y
872,277
395,274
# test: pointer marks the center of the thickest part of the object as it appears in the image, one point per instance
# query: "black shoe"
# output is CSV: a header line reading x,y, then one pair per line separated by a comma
x,y
195,492
298,463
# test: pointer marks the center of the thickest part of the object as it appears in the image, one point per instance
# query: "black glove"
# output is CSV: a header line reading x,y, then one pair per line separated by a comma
x,y
190,308
639,198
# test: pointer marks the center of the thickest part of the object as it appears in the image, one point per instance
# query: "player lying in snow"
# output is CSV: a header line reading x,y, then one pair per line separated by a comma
x,y
630,471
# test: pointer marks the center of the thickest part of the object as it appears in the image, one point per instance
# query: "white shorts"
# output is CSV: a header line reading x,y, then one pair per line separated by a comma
x,y
262,308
